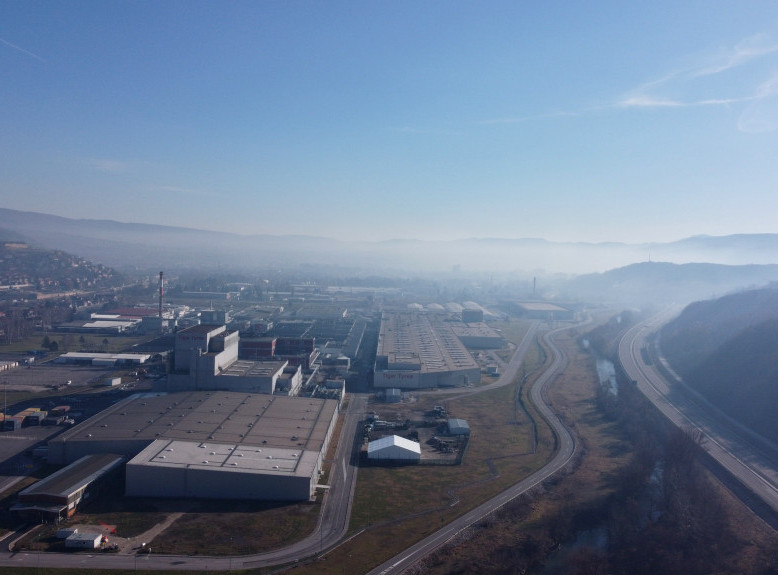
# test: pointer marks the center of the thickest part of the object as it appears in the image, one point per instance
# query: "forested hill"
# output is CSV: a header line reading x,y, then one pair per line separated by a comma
x,y
23,267
664,282
727,349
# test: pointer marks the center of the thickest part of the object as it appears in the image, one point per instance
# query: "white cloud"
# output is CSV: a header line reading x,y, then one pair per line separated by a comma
x,y
646,101
748,49
762,114
22,50
687,85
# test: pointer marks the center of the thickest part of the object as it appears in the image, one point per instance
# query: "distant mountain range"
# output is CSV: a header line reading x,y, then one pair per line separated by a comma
x,y
130,246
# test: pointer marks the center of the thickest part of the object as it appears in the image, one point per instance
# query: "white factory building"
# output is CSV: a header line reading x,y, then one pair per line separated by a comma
x,y
169,468
210,444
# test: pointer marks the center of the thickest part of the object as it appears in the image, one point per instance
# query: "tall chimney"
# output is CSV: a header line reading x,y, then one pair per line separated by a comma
x,y
161,291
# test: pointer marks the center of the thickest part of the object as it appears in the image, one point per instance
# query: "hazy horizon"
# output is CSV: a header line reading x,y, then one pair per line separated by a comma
x,y
433,121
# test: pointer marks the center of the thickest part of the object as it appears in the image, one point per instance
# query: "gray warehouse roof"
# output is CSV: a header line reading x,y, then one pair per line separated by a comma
x,y
73,477
408,339
458,426
223,417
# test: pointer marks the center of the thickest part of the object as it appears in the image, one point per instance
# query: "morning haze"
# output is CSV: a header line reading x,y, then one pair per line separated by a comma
x,y
407,288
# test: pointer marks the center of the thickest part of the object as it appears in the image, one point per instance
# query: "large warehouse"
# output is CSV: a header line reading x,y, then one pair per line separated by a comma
x,y
210,444
414,353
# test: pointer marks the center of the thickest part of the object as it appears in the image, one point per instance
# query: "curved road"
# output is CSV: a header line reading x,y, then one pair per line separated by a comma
x,y
566,450
739,451
337,502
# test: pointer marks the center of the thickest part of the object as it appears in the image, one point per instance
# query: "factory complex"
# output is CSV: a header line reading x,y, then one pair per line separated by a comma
x,y
224,417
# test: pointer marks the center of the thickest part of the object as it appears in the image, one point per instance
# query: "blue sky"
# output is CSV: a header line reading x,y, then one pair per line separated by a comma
x,y
571,121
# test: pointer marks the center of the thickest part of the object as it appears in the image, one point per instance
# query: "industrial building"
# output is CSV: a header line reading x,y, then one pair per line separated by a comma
x,y
394,448
83,540
264,446
456,426
415,353
540,310
206,358
58,495
103,359
477,335
170,468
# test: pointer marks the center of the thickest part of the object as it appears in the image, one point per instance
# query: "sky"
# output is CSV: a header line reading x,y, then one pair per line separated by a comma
x,y
365,120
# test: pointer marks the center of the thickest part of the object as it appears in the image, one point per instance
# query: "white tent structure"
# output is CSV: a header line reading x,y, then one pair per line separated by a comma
x,y
394,448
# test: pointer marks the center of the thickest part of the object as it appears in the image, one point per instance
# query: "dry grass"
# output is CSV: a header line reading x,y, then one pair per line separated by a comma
x,y
572,393
395,507
237,528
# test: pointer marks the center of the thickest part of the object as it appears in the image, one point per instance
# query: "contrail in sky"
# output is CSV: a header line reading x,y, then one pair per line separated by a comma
x,y
15,47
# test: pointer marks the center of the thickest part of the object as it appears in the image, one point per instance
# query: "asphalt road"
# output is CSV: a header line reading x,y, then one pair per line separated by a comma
x,y
337,502
330,530
748,458
566,444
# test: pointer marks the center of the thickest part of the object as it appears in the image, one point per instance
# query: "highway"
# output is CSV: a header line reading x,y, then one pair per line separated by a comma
x,y
749,459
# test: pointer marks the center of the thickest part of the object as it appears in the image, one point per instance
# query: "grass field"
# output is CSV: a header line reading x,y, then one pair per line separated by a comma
x,y
395,507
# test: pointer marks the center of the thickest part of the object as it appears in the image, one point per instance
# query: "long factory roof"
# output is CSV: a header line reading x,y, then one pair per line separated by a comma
x,y
408,338
235,418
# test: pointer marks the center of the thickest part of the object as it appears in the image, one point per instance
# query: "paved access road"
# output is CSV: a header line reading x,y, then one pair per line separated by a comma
x,y
750,459
331,529
337,503
565,438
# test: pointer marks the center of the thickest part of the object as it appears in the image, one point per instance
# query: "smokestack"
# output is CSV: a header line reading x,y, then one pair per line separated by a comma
x,y
161,291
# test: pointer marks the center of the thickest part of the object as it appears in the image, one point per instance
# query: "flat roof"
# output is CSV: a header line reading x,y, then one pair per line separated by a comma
x,y
410,338
474,329
238,418
245,368
230,457
99,355
100,324
75,476
540,306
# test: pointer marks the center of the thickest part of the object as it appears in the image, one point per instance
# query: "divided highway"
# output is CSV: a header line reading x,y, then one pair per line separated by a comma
x,y
748,458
